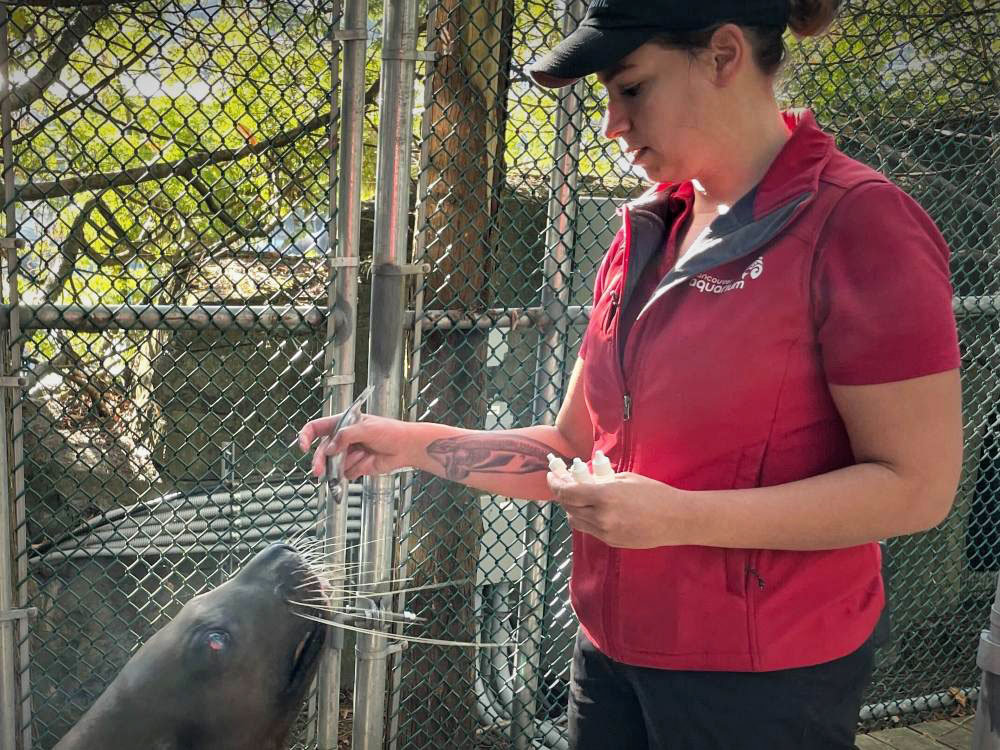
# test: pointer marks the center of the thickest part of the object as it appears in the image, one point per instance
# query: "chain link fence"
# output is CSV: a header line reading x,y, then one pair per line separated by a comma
x,y
910,88
171,190
186,185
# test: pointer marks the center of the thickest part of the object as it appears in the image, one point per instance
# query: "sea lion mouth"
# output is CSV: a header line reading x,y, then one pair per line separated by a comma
x,y
299,649
305,657
308,649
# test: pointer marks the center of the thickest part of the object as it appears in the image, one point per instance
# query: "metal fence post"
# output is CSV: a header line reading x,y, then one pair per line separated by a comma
x,y
8,662
986,730
385,350
342,304
549,373
14,694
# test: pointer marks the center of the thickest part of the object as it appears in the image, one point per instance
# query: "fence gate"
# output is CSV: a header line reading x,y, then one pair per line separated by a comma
x,y
179,291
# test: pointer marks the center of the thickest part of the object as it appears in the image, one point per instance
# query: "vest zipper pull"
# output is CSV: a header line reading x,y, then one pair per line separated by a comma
x,y
628,407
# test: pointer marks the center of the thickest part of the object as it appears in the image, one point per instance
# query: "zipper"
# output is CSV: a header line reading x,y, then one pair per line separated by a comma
x,y
614,555
751,603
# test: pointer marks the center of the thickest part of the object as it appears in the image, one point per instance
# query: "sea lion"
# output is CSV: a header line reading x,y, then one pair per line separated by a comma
x,y
229,672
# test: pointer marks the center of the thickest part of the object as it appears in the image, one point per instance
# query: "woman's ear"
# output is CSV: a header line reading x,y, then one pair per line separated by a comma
x,y
728,50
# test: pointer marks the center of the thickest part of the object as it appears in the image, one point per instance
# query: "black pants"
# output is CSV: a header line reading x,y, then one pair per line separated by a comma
x,y
614,706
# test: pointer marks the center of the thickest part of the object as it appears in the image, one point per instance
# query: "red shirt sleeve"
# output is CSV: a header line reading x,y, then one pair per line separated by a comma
x,y
882,292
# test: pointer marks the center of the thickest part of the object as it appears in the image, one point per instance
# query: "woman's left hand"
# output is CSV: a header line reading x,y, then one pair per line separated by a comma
x,y
630,511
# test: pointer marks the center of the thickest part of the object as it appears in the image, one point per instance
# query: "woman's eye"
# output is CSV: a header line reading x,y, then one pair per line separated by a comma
x,y
630,91
217,640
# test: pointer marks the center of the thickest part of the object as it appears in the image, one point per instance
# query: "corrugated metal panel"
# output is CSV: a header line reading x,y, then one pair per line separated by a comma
x,y
190,523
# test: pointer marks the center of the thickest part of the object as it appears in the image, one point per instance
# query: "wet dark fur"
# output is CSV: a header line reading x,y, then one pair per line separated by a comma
x,y
227,673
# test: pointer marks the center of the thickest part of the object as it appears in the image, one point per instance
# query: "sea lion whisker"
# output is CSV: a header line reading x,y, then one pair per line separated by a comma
x,y
319,561
362,587
320,554
329,571
322,560
428,586
334,594
398,637
326,540
299,535
319,565
392,592
331,596
385,614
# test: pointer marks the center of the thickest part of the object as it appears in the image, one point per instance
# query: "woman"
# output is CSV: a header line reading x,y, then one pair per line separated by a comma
x,y
771,364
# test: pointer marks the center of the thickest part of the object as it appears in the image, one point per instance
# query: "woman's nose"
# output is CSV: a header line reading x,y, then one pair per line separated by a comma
x,y
615,122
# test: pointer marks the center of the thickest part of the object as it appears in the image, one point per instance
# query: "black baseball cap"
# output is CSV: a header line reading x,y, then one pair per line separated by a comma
x,y
612,29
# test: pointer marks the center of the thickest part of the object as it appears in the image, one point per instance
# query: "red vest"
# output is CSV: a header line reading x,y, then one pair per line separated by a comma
x,y
723,384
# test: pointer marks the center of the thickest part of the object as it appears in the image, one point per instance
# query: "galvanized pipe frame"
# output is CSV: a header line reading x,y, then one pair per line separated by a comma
x,y
385,348
540,317
71,317
402,539
8,639
306,318
342,299
550,363
15,683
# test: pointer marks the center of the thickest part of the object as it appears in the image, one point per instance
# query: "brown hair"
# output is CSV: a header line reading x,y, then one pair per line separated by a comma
x,y
806,18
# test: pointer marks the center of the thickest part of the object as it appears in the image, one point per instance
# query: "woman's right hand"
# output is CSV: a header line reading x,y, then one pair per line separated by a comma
x,y
373,445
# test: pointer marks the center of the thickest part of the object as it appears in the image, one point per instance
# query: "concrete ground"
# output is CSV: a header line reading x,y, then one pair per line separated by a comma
x,y
955,734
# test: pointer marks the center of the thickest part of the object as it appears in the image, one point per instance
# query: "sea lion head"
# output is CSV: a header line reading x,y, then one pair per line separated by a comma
x,y
229,672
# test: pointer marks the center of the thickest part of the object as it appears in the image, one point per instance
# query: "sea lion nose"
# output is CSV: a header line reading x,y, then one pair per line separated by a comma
x,y
271,558
280,556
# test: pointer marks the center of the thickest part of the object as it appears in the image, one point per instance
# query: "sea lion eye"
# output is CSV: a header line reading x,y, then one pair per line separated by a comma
x,y
217,640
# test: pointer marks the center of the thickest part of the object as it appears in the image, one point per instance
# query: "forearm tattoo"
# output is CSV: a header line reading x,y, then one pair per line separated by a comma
x,y
489,454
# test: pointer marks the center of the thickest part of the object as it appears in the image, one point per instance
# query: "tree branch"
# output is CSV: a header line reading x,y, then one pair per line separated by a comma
x,y
219,211
105,4
77,100
61,269
81,25
33,191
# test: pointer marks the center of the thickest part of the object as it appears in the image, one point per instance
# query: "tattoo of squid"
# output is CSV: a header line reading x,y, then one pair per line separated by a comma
x,y
461,456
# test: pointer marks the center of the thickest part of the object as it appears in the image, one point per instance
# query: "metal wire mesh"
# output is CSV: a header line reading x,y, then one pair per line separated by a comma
x,y
910,88
171,166
172,180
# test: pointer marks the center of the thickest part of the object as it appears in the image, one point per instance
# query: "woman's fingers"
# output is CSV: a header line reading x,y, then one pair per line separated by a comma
x,y
319,458
354,459
569,494
324,450
581,522
314,429
364,467
359,444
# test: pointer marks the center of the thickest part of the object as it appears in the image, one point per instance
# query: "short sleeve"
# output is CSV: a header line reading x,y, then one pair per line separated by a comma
x,y
882,294
600,279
